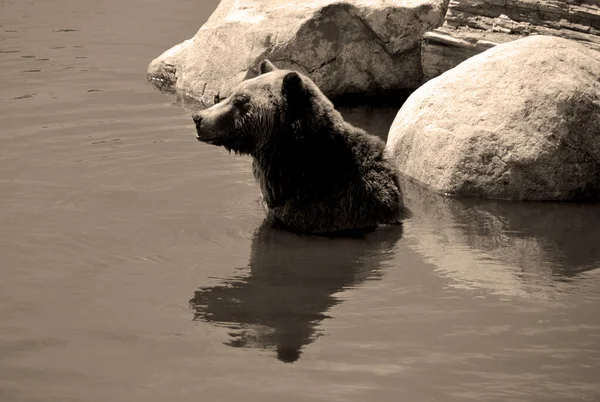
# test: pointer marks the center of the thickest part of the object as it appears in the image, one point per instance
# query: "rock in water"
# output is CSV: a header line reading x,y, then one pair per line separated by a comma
x,y
520,121
352,47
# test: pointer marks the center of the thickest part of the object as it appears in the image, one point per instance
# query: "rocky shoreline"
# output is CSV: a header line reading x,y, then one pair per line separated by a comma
x,y
507,92
357,47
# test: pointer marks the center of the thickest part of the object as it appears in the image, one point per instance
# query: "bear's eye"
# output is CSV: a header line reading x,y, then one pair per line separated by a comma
x,y
240,100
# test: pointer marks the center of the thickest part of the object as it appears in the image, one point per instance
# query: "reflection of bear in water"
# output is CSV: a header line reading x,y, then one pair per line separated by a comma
x,y
317,173
291,285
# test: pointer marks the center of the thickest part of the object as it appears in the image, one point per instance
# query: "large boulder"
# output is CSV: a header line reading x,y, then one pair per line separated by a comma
x,y
364,47
473,26
520,121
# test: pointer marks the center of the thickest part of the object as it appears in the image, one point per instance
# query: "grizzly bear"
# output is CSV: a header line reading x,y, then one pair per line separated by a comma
x,y
318,174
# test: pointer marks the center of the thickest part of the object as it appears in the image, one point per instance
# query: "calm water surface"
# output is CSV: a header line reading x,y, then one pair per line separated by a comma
x,y
135,267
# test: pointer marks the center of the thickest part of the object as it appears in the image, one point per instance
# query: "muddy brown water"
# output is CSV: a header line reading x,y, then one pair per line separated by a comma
x,y
134,265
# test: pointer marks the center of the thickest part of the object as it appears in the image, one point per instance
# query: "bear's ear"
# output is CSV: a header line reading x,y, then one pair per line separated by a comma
x,y
266,67
293,87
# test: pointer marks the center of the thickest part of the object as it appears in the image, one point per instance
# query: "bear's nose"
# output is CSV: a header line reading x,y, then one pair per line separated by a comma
x,y
197,118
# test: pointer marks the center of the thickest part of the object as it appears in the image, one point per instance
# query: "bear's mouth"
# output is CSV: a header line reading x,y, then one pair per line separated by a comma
x,y
208,140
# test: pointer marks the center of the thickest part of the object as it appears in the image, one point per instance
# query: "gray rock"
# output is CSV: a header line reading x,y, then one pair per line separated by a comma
x,y
365,47
520,121
473,26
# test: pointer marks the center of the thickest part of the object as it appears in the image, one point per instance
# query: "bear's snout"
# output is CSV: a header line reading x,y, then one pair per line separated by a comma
x,y
198,122
197,119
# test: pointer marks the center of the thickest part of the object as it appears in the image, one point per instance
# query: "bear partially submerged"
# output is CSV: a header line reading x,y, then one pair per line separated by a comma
x,y
318,174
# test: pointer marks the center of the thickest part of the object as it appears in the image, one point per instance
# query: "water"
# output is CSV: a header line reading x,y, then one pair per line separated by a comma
x,y
135,267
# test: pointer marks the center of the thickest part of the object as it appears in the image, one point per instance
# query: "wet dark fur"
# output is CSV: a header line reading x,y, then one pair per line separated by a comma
x,y
318,174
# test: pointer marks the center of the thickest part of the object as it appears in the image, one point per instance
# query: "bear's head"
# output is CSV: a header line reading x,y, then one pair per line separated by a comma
x,y
274,103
